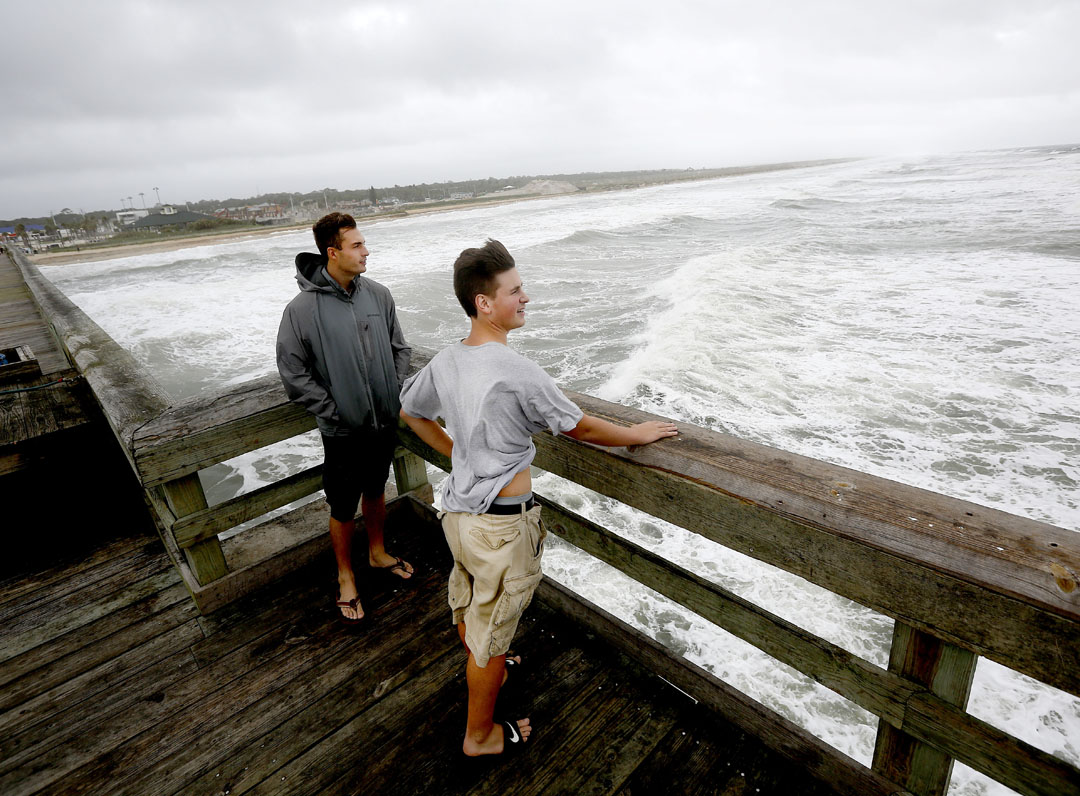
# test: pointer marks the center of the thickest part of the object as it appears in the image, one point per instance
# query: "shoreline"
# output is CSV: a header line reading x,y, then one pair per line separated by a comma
x,y
69,257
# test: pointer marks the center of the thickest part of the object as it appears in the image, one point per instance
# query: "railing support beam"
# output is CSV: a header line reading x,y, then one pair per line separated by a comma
x,y
410,473
945,669
206,560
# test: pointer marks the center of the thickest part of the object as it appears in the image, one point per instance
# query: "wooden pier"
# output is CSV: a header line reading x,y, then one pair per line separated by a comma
x,y
184,665
45,396
113,683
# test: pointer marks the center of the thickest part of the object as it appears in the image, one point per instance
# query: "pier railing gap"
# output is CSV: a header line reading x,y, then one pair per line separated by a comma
x,y
959,580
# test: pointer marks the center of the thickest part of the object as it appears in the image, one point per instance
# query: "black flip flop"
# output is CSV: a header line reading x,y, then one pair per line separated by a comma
x,y
513,740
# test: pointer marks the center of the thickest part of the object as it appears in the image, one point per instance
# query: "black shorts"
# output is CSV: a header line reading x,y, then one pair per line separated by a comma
x,y
354,465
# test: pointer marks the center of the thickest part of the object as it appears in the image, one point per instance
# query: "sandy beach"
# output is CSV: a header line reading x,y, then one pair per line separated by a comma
x,y
132,249
547,189
173,244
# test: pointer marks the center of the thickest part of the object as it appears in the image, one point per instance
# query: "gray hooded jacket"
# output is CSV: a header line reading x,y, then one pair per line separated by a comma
x,y
342,355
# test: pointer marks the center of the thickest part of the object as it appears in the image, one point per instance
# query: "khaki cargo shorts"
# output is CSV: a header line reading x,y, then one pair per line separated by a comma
x,y
496,571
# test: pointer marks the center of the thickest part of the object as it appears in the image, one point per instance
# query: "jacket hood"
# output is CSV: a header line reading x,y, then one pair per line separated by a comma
x,y
309,272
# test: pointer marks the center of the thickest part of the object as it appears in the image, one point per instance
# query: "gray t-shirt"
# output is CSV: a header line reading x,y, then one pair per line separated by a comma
x,y
492,400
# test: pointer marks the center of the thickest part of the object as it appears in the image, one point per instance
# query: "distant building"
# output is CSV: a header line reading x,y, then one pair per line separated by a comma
x,y
462,195
262,213
126,218
177,218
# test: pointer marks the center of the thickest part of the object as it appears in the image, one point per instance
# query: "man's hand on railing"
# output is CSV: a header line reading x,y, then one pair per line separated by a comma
x,y
601,432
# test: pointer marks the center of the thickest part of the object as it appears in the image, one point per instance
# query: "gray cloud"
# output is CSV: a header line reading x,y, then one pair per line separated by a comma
x,y
221,99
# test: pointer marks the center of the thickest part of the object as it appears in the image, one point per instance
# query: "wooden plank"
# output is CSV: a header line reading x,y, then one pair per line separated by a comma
x,y
407,708
834,667
56,669
197,704
813,755
260,613
207,523
423,754
289,542
128,395
115,623
947,671
15,590
410,471
92,760
230,753
932,720
412,736
72,612
705,754
204,559
83,586
36,412
604,731
206,430
294,540
43,605
83,719
1039,637
887,694
35,725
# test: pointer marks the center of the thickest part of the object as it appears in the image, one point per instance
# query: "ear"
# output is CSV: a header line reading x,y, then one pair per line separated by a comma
x,y
483,304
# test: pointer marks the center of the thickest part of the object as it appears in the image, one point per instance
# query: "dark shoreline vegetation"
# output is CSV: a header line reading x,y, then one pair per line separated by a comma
x,y
429,193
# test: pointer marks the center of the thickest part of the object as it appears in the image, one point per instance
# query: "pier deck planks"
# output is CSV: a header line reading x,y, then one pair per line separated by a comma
x,y
21,323
271,695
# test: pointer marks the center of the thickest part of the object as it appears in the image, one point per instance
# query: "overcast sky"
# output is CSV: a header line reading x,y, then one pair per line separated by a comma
x,y
103,100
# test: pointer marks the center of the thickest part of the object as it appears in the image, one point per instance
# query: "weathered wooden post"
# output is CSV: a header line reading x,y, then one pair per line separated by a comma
x,y
410,474
185,496
945,669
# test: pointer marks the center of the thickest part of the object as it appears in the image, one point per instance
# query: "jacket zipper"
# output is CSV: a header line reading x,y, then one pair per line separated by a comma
x,y
363,364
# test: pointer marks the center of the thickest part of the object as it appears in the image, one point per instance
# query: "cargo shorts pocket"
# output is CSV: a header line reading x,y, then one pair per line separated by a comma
x,y
515,598
459,591
496,531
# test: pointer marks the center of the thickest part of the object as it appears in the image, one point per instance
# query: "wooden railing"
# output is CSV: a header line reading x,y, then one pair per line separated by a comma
x,y
959,580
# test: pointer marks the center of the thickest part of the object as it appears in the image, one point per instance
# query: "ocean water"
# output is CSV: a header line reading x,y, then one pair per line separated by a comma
x,y
918,319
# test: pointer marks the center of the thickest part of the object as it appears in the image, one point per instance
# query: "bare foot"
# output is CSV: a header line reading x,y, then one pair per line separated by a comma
x,y
349,600
496,742
398,566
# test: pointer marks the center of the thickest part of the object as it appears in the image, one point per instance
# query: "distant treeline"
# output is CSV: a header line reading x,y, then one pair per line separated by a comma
x,y
441,191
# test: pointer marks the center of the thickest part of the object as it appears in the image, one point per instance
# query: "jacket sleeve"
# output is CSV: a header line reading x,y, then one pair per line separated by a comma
x,y
297,376
402,350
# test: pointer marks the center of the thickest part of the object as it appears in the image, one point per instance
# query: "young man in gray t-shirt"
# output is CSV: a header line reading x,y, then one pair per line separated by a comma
x,y
492,401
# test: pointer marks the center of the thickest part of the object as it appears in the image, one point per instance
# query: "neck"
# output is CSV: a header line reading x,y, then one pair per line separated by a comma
x,y
338,276
483,332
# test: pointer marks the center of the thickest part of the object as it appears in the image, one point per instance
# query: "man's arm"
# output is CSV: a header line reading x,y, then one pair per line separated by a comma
x,y
431,433
296,376
402,350
601,432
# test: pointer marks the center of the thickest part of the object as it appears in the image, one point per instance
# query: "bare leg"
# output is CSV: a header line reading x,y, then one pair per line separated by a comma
x,y
374,511
341,535
482,736
468,652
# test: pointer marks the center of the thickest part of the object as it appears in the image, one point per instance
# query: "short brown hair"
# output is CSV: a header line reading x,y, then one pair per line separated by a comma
x,y
475,271
328,230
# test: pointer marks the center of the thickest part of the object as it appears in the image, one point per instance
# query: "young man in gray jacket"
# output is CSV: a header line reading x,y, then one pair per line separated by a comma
x,y
493,400
341,356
